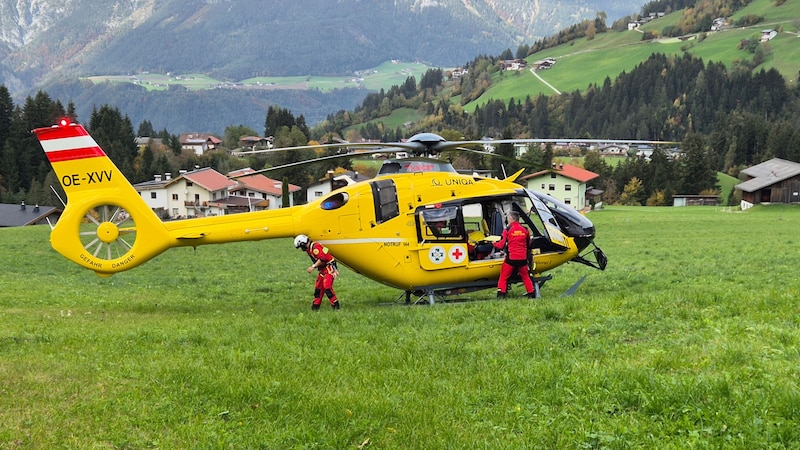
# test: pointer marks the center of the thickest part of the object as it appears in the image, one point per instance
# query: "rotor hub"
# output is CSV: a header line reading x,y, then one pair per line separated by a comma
x,y
107,232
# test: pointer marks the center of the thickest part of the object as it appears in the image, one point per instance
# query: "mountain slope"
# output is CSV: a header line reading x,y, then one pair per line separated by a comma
x,y
234,39
582,62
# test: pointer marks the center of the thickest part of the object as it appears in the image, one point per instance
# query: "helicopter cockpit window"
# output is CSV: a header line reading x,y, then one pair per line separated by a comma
x,y
384,194
440,224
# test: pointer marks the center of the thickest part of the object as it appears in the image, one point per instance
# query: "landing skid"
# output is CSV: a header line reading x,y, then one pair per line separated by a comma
x,y
431,294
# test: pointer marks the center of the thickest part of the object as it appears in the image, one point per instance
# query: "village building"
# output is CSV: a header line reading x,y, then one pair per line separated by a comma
x,y
13,215
564,182
513,64
773,181
544,63
253,142
199,143
191,194
330,183
256,192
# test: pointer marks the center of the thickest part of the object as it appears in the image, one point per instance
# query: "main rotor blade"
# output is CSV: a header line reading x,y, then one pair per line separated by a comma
x,y
309,161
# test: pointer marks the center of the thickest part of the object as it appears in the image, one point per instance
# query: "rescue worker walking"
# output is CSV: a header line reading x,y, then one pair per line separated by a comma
x,y
325,264
516,242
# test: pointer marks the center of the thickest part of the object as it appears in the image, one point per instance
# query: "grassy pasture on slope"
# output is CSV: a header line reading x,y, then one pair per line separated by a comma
x,y
689,339
583,62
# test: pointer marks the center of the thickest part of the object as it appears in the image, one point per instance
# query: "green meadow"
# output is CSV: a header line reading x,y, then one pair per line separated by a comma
x,y
384,76
689,339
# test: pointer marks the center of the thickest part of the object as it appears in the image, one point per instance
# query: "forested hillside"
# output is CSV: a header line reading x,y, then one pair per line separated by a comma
x,y
726,118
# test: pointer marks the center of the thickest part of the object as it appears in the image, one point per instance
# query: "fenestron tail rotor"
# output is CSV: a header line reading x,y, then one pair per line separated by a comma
x,y
109,232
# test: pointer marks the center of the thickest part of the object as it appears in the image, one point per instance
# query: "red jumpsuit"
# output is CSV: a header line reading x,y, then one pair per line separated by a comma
x,y
515,239
327,273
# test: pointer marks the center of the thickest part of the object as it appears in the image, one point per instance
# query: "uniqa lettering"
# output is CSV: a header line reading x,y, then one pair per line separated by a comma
x,y
457,181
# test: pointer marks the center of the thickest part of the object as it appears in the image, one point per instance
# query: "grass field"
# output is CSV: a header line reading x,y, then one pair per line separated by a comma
x,y
689,339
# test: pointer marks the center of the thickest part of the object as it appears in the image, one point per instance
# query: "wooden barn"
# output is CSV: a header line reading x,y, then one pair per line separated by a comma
x,y
773,181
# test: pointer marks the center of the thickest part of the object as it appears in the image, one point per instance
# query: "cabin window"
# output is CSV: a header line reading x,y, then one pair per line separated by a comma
x,y
335,201
153,195
552,187
440,224
175,197
384,194
567,187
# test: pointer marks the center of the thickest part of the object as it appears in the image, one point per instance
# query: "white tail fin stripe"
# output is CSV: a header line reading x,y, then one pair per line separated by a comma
x,y
70,143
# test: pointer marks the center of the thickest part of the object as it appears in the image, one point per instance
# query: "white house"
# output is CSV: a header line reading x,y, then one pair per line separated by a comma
x,y
192,194
199,143
258,191
331,183
564,182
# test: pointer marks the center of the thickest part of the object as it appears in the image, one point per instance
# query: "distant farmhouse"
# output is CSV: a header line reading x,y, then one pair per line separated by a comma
x,y
513,64
773,181
23,215
544,64
199,143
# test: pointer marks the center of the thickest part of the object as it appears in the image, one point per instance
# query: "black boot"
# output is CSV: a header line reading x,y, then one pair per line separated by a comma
x,y
335,305
314,307
501,295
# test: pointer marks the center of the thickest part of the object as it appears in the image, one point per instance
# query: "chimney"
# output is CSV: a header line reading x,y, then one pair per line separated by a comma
x,y
22,206
36,208
168,175
158,177
561,166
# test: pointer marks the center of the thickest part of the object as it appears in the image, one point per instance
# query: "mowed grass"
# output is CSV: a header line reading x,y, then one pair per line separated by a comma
x,y
689,339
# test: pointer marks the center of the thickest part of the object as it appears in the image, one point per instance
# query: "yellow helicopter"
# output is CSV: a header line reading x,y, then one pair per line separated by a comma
x,y
419,225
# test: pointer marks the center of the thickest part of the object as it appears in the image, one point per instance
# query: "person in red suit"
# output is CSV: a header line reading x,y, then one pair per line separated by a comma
x,y
325,264
515,241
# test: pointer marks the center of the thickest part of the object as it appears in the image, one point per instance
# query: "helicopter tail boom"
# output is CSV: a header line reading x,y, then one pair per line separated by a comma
x,y
107,227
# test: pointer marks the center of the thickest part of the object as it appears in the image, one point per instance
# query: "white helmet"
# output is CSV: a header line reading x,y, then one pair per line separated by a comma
x,y
300,241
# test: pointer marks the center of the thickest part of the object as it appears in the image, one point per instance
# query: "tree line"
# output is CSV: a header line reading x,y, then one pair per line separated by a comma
x,y
725,119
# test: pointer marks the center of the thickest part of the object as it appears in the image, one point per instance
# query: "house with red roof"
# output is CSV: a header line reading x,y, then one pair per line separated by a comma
x,y
199,143
564,182
194,193
255,192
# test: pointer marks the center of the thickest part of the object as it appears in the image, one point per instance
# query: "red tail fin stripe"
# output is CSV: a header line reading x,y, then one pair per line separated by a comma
x,y
74,153
69,148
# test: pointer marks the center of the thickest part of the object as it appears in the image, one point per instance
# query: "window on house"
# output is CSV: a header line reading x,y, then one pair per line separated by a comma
x,y
566,200
567,187
551,187
197,198
153,195
543,186
553,175
175,197
317,193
